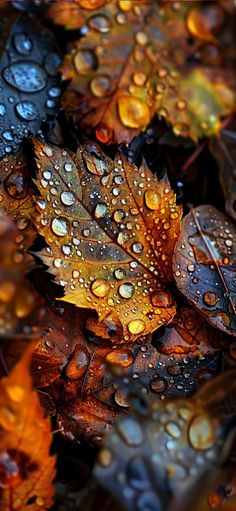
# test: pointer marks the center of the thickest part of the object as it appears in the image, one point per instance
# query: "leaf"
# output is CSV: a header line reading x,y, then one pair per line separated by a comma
x,y
190,334
223,150
29,66
111,230
20,306
70,371
204,265
140,59
26,468
16,197
164,453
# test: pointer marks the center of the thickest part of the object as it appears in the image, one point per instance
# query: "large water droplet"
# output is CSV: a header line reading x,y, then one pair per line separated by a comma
x,y
137,326
152,199
122,357
130,431
137,248
158,385
25,76
211,298
60,226
67,198
100,210
133,112
100,288
120,273
202,432
27,110
101,85
85,61
126,290
173,429
100,23
2,109
78,364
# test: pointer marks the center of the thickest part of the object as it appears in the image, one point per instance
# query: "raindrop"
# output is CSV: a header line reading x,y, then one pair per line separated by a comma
x,y
67,198
137,326
101,85
158,385
126,290
122,357
22,44
2,109
130,431
100,210
60,226
120,273
25,76
27,110
68,167
202,432
101,23
152,199
133,112
211,298
137,248
85,61
173,429
100,288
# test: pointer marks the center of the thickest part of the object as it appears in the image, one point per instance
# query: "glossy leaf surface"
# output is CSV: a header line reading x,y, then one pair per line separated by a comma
x,y
111,230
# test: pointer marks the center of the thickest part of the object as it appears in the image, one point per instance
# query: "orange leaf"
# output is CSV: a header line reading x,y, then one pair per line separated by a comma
x,y
141,58
26,468
111,228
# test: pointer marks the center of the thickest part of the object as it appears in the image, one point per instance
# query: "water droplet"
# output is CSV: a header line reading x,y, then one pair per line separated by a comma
x,y
85,61
100,288
22,44
119,215
27,110
152,199
60,226
54,92
122,238
126,290
78,364
133,112
15,392
173,429
158,385
2,109
137,326
162,299
191,267
202,432
122,357
100,23
203,21
105,457
100,210
67,198
121,399
120,273
181,104
25,76
130,431
58,262
141,38
40,501
68,167
137,474
137,248
211,298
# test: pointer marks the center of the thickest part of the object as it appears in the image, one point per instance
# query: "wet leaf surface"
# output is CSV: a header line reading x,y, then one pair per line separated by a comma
x,y
111,228
204,265
29,85
26,468
138,59
160,454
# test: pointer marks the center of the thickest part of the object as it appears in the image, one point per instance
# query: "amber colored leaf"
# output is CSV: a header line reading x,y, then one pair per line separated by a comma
x,y
16,197
70,370
111,230
164,453
224,151
26,468
138,59
20,306
204,265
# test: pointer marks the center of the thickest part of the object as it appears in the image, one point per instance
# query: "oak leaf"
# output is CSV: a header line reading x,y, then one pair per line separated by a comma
x,y
26,468
150,457
140,59
111,230
204,265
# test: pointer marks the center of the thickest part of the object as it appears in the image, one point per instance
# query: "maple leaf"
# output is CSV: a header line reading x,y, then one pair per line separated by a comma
x,y
111,230
26,468
150,457
138,59
18,300
204,265
16,197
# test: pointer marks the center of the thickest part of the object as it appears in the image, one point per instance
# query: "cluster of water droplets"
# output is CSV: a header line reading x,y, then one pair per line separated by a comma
x,y
29,86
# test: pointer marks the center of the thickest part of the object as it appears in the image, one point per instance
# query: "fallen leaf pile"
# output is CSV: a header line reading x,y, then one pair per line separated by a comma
x,y
117,255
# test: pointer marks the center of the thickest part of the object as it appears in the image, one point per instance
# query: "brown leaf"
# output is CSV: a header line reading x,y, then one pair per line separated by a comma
x,y
111,230
26,468
204,265
138,59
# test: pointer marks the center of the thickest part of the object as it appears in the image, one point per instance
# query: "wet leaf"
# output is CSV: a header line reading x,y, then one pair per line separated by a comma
x,y
70,370
16,197
164,453
20,306
28,68
224,151
204,265
140,59
111,229
26,469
